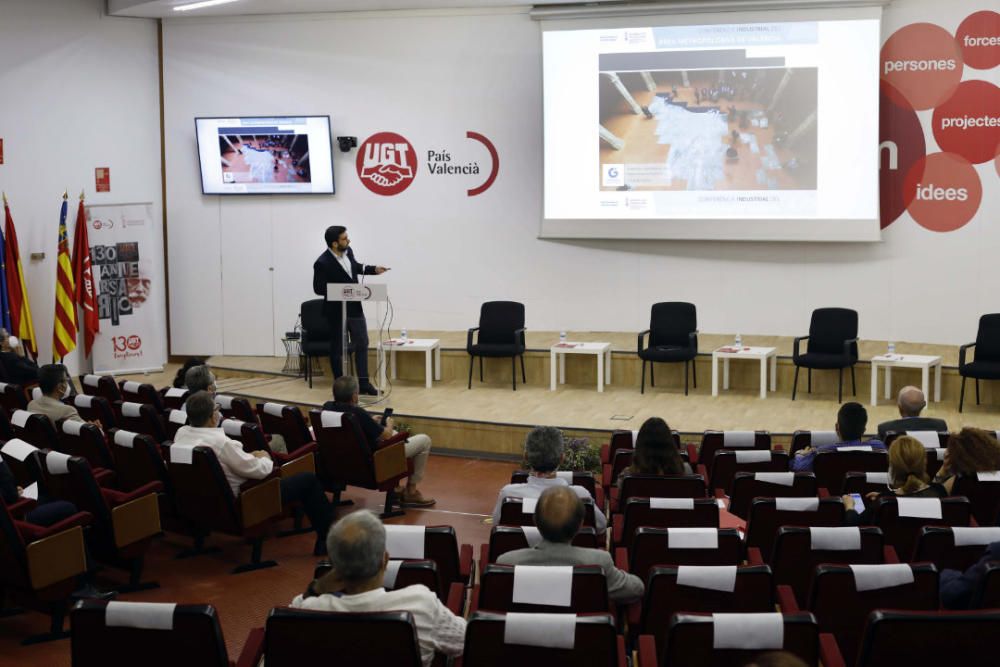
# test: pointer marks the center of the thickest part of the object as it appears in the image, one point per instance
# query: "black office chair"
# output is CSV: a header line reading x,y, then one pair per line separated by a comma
x,y
673,338
316,337
833,343
501,334
986,365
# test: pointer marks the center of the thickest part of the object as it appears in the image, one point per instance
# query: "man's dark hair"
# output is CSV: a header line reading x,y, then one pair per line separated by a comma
x,y
559,514
333,233
344,388
852,419
199,407
49,377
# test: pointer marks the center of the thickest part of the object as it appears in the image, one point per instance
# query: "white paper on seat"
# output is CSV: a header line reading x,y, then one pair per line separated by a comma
x,y
330,419
177,392
988,476
391,572
57,463
877,477
131,409
981,535
36,393
929,439
31,491
178,417
404,541
796,504
225,402
72,428
18,449
920,508
231,427
528,505
692,538
83,401
856,448
543,584
19,418
779,478
142,615
847,538
274,409
996,434
671,503
3,386
92,380
820,438
753,456
182,454
711,577
738,438
125,438
635,436
941,451
874,577
131,386
721,503
548,630
532,535
565,474
748,631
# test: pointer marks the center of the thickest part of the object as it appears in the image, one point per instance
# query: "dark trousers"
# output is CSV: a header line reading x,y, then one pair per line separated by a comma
x,y
304,488
50,512
357,329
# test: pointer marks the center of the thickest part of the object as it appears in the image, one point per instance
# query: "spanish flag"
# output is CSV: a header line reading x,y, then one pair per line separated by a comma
x,y
17,294
64,325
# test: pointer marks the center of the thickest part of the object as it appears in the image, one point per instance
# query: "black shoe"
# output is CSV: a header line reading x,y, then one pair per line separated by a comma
x,y
368,390
91,592
319,549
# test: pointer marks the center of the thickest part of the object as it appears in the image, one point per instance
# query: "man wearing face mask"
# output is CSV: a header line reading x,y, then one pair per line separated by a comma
x,y
19,367
53,380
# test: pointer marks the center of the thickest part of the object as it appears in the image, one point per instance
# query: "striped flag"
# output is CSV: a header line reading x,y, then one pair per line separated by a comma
x,y
4,300
83,276
17,293
64,325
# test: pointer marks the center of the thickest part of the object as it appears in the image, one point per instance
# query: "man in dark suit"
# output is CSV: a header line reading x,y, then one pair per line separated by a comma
x,y
337,265
910,402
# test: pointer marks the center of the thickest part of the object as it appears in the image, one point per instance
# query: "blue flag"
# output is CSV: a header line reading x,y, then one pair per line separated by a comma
x,y
4,299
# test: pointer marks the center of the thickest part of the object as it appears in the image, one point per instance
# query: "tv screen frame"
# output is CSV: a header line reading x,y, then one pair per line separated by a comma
x,y
280,160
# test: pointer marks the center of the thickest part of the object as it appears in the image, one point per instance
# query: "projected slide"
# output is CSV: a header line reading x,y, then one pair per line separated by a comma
x,y
755,121
265,158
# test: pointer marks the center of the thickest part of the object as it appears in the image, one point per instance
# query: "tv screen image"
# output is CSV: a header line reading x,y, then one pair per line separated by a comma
x,y
265,155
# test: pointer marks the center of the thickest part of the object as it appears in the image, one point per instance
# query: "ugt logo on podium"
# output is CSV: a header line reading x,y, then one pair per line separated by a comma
x,y
386,163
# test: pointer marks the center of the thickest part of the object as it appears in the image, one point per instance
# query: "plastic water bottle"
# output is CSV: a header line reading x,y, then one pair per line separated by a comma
x,y
892,348
402,335
739,342
562,337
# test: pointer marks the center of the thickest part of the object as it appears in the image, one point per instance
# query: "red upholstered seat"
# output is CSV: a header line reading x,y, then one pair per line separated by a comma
x,y
141,418
511,538
727,463
101,385
496,592
832,467
748,485
929,638
702,513
141,392
651,546
713,441
596,644
902,532
936,544
765,520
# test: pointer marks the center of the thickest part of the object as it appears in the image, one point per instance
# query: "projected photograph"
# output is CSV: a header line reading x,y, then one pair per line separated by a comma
x,y
271,158
707,129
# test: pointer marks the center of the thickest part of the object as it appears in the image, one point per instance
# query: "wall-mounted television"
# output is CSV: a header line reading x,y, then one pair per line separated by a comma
x,y
265,155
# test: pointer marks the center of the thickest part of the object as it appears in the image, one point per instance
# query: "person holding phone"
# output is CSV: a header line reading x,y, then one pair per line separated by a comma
x,y
19,367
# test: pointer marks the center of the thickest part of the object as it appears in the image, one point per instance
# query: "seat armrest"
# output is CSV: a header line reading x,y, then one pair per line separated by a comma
x,y
961,353
474,599
692,450
253,649
466,566
633,615
786,600
605,468
622,655
261,503
56,558
847,346
693,340
647,651
823,492
754,557
889,555
829,652
720,494
468,340
703,471
115,498
21,507
456,598
614,499
642,334
617,528
621,559
297,466
32,532
795,345
484,556
599,499
519,337
402,436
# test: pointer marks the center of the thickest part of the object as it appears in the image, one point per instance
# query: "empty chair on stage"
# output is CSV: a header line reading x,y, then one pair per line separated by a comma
x,y
501,334
833,344
673,338
986,365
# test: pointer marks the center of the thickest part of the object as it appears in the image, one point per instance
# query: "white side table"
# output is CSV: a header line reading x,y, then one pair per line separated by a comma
x,y
558,354
762,354
921,361
431,347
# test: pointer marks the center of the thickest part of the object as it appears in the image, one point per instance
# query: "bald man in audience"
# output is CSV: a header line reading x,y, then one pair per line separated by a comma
x,y
558,516
911,402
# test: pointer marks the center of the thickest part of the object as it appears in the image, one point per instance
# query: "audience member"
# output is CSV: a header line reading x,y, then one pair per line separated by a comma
x,y
417,447
238,465
971,450
851,421
558,517
200,378
19,367
911,402
53,380
45,512
180,379
543,452
957,588
907,477
356,547
655,452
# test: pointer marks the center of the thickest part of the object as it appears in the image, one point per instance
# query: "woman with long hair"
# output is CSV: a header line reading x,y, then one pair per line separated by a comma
x,y
656,452
971,450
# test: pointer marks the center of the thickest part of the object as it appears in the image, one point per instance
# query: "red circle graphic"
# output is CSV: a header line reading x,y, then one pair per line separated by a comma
x,y
969,122
945,192
901,145
979,38
386,163
923,63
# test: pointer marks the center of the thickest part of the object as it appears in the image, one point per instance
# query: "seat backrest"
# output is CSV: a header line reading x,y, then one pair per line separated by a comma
x,y
512,512
87,441
141,418
6,430
247,434
749,485
841,599
441,546
583,478
727,463
141,392
101,385
342,452
929,638
988,595
666,513
589,591
94,407
294,637
511,538
902,531
237,407
669,592
635,485
285,420
172,422
201,492
399,574
15,453
691,637
138,460
671,323
113,634
954,548
935,459
830,327
623,439
866,482
173,398
713,441
942,438
498,320
34,428
988,338
802,439
798,550
69,478
12,397
595,644
13,557
314,322
683,546
983,492
766,518
832,467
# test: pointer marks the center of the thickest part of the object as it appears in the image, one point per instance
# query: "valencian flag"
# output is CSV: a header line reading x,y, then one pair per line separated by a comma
x,y
64,325
83,276
17,293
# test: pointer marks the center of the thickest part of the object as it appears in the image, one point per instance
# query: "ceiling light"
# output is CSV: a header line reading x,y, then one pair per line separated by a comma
x,y
201,5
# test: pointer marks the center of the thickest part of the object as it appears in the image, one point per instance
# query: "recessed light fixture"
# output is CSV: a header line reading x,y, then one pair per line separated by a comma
x,y
201,5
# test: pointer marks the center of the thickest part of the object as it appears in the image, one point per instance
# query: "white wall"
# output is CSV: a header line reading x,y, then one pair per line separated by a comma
x,y
77,91
433,76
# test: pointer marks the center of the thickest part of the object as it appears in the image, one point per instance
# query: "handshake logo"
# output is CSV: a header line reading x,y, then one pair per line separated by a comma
x,y
386,163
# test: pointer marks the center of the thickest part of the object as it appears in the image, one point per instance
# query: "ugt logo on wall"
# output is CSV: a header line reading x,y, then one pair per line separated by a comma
x,y
386,163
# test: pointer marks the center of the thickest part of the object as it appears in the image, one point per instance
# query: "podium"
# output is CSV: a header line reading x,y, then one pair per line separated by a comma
x,y
377,293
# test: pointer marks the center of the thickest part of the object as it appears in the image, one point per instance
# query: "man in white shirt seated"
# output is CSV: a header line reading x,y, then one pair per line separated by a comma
x,y
543,452
204,417
356,548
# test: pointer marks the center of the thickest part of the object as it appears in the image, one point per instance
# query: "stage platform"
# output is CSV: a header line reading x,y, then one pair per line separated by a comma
x,y
490,420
